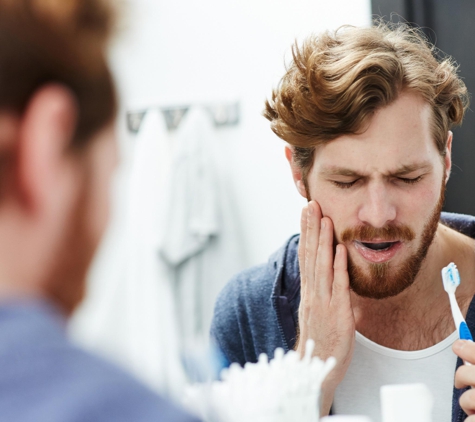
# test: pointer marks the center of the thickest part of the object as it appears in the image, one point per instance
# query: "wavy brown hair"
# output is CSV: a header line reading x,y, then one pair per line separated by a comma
x,y
58,41
337,80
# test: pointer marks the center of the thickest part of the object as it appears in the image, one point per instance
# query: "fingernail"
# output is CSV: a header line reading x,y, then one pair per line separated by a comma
x,y
310,209
323,224
458,345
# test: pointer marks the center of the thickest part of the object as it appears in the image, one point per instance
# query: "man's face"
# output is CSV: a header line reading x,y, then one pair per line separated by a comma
x,y
383,190
66,284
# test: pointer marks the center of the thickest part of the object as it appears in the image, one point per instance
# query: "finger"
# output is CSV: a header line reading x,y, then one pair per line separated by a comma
x,y
311,244
465,350
301,251
467,402
341,279
324,264
465,376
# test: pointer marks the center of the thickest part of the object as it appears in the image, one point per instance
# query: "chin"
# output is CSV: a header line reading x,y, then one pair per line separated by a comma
x,y
375,289
385,279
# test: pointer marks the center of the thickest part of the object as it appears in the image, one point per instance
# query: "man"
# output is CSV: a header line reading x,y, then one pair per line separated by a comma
x,y
57,154
367,115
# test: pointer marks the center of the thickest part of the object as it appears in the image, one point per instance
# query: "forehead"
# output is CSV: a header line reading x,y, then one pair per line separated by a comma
x,y
397,135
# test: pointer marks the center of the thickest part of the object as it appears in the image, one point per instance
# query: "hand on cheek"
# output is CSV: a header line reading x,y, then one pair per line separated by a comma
x,y
325,312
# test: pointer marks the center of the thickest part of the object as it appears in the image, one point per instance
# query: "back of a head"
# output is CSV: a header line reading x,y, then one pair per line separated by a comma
x,y
58,41
337,80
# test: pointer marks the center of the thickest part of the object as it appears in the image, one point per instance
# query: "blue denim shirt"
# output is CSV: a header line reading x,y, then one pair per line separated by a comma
x,y
257,311
45,378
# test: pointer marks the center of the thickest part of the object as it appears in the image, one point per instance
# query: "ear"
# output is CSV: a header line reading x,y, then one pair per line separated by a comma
x,y
296,171
46,130
448,156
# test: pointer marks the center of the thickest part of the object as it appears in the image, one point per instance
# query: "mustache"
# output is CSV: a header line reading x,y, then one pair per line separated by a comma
x,y
367,233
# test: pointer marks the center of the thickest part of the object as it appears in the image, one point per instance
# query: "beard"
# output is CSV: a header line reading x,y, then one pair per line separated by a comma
x,y
385,280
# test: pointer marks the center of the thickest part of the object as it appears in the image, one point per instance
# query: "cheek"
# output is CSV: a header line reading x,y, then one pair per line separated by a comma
x,y
341,209
100,181
99,209
416,207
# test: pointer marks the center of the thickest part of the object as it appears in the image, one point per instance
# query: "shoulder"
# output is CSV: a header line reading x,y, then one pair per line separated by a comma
x,y
463,223
60,381
257,284
241,309
70,384
244,321
250,286
119,397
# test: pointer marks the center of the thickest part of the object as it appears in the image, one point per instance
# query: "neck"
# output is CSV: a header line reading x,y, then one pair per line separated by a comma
x,y
420,316
26,256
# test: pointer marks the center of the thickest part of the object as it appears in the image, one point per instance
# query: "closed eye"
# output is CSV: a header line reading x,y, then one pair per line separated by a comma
x,y
410,181
344,185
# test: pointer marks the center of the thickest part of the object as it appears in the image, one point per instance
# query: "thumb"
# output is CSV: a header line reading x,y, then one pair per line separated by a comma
x,y
465,349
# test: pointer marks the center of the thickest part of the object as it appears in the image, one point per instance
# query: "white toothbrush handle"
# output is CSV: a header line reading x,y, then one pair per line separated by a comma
x,y
458,318
457,315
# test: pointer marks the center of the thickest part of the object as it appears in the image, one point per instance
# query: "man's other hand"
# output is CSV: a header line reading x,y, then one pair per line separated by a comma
x,y
325,313
465,376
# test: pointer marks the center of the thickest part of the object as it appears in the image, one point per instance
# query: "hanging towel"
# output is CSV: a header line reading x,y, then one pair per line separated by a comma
x,y
192,205
139,327
201,243
151,332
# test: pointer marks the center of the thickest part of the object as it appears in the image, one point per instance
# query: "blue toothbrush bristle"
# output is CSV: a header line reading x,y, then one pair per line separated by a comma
x,y
452,274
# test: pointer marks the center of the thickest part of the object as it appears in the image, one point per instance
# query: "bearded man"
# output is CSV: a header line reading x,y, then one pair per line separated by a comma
x,y
366,114
57,155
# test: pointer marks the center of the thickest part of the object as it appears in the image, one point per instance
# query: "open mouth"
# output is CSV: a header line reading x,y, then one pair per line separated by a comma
x,y
377,252
383,246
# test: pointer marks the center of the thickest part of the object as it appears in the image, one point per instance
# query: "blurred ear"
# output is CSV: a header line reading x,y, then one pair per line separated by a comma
x,y
448,156
296,172
9,130
46,131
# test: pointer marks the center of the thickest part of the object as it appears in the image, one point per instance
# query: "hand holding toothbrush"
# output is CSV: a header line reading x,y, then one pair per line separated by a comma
x,y
465,376
451,280
325,312
463,348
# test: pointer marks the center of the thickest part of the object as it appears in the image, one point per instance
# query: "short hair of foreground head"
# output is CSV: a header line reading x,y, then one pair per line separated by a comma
x,y
58,41
338,79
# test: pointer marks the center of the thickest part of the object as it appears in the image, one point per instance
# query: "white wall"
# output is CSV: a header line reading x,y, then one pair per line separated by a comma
x,y
185,52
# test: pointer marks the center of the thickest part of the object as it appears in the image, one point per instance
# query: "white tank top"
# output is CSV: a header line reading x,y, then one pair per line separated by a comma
x,y
373,366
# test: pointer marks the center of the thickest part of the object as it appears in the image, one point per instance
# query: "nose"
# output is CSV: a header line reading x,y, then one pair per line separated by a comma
x,y
377,208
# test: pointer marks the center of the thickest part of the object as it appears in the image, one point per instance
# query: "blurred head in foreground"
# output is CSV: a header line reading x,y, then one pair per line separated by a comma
x,y
57,147
367,113
57,156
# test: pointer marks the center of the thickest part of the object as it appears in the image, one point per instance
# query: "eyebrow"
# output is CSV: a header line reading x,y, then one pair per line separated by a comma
x,y
406,169
401,171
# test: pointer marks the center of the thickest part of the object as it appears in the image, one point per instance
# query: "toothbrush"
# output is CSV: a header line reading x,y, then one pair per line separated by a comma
x,y
451,279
